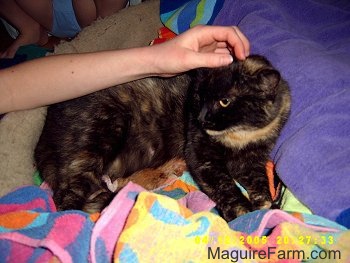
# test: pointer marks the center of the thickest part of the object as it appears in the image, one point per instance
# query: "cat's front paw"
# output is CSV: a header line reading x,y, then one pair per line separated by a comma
x,y
261,201
233,211
72,200
98,201
67,200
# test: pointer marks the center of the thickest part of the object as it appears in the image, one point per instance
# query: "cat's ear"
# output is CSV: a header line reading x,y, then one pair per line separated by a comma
x,y
268,81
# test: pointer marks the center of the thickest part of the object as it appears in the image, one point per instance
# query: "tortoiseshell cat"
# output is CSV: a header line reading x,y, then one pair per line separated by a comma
x,y
223,122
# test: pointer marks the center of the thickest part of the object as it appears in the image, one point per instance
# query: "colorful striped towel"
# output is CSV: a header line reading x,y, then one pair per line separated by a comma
x,y
159,229
32,231
180,15
141,226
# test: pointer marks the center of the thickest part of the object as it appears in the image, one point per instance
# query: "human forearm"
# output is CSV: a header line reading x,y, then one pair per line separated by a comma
x,y
57,78
62,77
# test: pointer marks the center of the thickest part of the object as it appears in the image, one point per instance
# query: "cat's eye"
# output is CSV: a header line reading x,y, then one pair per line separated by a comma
x,y
224,102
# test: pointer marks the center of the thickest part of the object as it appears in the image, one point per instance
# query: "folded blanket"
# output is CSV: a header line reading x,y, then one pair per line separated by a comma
x,y
159,229
141,226
32,231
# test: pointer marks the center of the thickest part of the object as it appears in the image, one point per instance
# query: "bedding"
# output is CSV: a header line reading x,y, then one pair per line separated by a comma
x,y
181,15
172,224
309,42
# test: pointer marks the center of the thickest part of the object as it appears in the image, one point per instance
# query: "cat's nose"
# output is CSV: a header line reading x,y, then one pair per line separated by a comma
x,y
202,114
203,118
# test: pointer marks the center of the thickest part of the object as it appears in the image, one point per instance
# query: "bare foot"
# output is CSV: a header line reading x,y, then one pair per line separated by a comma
x,y
34,36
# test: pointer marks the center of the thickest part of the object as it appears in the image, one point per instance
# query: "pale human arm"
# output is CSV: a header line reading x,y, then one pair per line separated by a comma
x,y
57,78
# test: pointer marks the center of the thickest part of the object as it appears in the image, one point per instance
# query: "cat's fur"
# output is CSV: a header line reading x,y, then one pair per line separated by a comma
x,y
224,122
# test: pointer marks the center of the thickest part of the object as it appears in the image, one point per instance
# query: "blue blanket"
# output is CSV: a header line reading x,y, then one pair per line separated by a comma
x,y
180,15
309,42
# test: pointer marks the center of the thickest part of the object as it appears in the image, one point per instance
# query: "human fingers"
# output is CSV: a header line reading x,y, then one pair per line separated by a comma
x,y
207,35
221,45
209,60
223,50
244,40
237,42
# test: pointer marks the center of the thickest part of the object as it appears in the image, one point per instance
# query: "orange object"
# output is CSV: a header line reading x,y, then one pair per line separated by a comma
x,y
164,34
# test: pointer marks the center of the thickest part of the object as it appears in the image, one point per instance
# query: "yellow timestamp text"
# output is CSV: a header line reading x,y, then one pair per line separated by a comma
x,y
262,240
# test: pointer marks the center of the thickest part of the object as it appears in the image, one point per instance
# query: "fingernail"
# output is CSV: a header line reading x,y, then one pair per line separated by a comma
x,y
227,59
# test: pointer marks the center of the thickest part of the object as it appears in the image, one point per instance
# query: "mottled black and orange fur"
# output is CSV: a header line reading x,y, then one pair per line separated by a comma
x,y
223,122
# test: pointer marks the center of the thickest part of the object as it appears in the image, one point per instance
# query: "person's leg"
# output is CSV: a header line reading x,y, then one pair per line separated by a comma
x,y
85,11
40,10
31,31
109,7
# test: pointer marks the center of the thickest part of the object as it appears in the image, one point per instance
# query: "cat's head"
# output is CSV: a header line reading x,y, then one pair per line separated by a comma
x,y
245,96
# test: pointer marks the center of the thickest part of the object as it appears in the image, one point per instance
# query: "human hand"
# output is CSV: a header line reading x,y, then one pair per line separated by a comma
x,y
201,46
